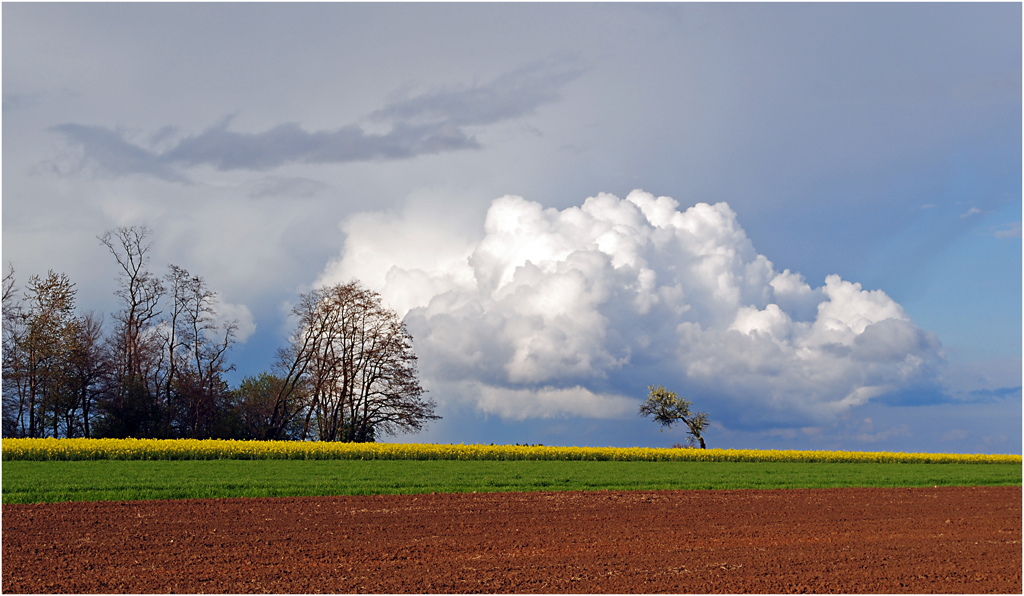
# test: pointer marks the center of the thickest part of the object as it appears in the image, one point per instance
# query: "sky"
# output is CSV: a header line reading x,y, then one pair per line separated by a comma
x,y
804,218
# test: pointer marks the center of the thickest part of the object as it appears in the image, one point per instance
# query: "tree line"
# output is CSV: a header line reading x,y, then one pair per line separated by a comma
x,y
347,373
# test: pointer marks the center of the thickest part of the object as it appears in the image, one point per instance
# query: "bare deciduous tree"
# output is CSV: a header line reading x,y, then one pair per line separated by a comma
x,y
152,376
135,345
200,381
351,360
8,284
89,369
13,329
178,282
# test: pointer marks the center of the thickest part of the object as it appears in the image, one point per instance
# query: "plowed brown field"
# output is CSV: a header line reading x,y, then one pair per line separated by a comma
x,y
961,540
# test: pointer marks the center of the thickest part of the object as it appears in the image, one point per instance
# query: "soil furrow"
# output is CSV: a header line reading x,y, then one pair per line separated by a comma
x,y
871,540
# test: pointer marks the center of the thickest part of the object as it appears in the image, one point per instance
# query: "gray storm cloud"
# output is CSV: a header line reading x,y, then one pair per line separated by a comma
x,y
570,312
421,124
226,150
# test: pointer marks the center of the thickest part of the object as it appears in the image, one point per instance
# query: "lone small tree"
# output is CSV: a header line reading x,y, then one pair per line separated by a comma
x,y
668,408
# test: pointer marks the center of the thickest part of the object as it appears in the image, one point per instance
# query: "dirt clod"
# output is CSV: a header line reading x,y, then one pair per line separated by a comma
x,y
954,540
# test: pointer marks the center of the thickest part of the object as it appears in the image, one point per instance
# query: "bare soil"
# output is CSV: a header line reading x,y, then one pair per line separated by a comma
x,y
956,540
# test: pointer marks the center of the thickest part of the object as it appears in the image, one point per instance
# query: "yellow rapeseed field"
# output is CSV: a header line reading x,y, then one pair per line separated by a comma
x,y
186,449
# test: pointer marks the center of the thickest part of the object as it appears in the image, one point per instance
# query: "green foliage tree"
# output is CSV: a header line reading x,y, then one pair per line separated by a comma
x,y
669,408
253,403
40,332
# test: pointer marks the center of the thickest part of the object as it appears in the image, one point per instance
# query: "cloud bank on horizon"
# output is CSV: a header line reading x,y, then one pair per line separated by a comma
x,y
573,312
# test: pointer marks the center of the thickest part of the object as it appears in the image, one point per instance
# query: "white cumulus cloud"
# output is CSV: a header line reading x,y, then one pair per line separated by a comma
x,y
575,312
240,315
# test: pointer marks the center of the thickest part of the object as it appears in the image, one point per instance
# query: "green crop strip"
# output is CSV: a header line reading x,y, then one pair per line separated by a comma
x,y
57,481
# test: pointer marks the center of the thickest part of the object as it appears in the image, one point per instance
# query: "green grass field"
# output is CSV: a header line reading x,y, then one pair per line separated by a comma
x,y
57,481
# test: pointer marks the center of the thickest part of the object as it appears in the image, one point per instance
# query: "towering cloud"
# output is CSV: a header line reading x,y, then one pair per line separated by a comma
x,y
574,312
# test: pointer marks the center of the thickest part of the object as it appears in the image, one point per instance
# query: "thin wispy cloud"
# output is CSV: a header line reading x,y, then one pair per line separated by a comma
x,y
423,124
995,394
1010,230
512,95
